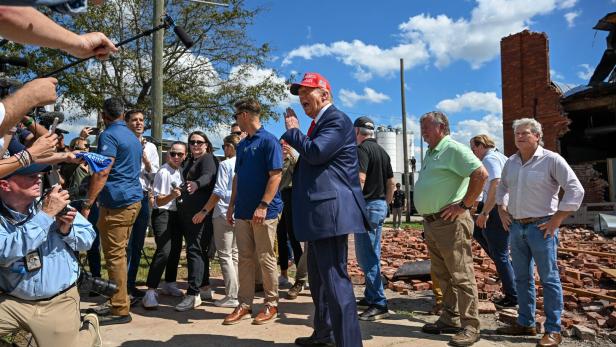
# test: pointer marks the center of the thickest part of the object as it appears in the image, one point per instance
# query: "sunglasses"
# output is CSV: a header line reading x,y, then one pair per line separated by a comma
x,y
176,154
80,148
238,133
196,142
237,114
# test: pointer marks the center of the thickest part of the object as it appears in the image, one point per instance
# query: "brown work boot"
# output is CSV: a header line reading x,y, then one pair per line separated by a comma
x,y
550,340
466,337
241,312
267,314
294,291
517,330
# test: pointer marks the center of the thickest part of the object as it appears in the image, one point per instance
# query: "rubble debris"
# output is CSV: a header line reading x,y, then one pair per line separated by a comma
x,y
589,291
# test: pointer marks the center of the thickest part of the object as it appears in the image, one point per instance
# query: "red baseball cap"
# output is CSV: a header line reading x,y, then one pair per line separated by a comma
x,y
313,80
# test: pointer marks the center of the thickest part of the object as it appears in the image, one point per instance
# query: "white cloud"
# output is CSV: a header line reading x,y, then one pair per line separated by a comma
x,y
490,124
366,59
586,72
555,75
474,101
563,4
252,76
349,98
570,17
477,39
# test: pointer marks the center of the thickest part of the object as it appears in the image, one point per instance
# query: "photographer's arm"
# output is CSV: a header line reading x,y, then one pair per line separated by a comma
x,y
80,234
97,182
38,92
28,26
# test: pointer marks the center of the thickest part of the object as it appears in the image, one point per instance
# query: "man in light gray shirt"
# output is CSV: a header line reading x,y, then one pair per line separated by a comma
x,y
532,178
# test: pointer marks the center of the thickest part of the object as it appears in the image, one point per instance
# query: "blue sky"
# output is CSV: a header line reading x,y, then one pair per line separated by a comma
x,y
451,52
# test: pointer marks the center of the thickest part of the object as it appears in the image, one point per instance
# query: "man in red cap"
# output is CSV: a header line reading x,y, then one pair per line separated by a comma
x,y
330,205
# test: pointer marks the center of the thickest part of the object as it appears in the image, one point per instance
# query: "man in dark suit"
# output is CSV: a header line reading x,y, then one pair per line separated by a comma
x,y
330,205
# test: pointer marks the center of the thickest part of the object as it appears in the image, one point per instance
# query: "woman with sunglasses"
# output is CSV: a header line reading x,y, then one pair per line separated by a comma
x,y
224,237
199,173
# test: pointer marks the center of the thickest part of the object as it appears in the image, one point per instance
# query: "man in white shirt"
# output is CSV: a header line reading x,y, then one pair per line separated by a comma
x,y
166,188
533,178
149,167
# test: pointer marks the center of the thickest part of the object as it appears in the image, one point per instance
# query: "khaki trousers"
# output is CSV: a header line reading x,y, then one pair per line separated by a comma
x,y
436,289
53,323
255,244
449,243
115,225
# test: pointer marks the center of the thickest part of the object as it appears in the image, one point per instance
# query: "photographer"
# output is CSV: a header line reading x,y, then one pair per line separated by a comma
x,y
38,268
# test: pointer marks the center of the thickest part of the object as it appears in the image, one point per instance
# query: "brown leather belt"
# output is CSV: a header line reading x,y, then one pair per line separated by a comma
x,y
530,220
432,217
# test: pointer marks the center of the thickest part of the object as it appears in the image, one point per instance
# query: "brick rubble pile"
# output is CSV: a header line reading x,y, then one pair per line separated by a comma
x,y
585,314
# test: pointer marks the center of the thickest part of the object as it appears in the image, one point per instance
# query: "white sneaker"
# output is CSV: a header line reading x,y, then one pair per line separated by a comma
x,y
171,288
149,301
206,294
283,281
188,303
92,319
227,302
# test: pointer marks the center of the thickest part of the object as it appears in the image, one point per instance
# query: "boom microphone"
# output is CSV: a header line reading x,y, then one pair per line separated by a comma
x,y
183,36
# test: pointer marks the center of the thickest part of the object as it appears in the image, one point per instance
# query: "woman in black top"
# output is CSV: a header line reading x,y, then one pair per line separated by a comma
x,y
199,172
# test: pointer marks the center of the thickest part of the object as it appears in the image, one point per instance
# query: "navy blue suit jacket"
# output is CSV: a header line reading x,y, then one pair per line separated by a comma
x,y
327,196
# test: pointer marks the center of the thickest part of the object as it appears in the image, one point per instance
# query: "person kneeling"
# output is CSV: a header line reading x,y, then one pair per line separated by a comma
x,y
38,267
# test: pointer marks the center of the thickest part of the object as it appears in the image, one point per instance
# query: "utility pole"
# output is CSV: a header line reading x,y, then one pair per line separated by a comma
x,y
407,188
157,75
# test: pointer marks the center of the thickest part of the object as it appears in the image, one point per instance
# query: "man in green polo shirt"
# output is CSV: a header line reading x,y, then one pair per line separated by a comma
x,y
450,180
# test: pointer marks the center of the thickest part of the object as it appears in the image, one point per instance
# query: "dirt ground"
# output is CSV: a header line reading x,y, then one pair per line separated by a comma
x,y
202,326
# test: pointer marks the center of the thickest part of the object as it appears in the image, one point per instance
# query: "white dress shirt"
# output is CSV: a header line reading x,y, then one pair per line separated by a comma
x,y
146,178
533,186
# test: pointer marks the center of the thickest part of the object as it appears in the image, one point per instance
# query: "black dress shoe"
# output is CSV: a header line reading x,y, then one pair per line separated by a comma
x,y
312,341
363,304
112,319
373,313
505,302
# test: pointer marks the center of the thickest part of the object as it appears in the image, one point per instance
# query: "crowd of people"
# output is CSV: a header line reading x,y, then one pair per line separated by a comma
x,y
269,197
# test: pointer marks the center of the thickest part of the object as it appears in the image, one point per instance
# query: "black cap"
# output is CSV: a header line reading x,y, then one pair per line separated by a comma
x,y
364,122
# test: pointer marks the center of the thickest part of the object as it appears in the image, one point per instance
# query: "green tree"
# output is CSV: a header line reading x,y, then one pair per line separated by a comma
x,y
200,84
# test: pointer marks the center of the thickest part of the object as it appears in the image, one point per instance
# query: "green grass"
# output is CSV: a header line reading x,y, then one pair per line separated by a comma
x,y
412,225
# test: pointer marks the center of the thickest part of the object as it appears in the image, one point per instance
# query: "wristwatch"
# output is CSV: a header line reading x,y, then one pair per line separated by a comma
x,y
263,204
86,206
485,213
461,204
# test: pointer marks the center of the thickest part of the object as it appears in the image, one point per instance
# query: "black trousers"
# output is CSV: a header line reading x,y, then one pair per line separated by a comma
x,y
197,238
285,233
168,240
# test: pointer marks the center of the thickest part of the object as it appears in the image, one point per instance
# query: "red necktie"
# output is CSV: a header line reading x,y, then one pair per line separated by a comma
x,y
311,127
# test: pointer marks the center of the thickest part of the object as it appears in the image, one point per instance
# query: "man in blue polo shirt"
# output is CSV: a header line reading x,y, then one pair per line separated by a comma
x,y
255,204
119,198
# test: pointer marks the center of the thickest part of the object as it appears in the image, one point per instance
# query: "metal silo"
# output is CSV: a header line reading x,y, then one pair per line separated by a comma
x,y
386,137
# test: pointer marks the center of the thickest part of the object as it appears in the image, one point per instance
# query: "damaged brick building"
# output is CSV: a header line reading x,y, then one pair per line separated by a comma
x,y
580,125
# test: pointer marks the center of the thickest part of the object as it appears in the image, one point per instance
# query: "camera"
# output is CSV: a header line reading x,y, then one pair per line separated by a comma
x,y
89,283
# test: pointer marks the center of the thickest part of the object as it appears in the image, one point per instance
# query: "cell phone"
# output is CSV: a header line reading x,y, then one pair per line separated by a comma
x,y
52,128
95,131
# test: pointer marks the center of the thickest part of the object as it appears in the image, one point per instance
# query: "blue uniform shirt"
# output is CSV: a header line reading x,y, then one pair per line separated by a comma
x,y
60,268
256,157
122,187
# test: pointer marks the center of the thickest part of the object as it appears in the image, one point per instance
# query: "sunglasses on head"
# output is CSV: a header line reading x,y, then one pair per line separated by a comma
x,y
176,154
196,142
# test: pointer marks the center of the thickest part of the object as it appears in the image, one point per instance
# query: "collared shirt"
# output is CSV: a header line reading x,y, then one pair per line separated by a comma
x,y
533,186
122,187
316,119
163,184
146,178
223,186
257,155
60,267
444,176
493,161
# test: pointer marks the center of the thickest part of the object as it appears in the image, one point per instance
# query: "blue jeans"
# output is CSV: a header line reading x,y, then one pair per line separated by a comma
x,y
495,241
136,240
528,247
368,252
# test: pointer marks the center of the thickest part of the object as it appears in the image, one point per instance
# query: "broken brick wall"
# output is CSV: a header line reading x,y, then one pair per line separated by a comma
x,y
528,90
